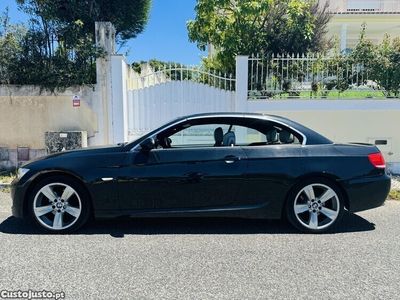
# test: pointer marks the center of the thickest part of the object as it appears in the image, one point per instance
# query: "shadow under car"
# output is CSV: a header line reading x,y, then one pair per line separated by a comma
x,y
120,227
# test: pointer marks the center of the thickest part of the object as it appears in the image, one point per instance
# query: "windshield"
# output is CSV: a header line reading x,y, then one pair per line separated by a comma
x,y
132,144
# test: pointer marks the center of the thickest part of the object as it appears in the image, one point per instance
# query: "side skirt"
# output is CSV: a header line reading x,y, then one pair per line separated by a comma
x,y
250,212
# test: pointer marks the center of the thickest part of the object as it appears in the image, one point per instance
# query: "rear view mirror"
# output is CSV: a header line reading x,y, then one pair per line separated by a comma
x,y
148,144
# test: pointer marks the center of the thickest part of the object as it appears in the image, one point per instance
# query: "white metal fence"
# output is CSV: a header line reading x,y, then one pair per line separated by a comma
x,y
170,73
308,76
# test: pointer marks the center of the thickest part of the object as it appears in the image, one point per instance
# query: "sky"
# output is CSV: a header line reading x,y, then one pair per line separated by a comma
x,y
164,38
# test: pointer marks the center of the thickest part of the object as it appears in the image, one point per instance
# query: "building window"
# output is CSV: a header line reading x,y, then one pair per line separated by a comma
x,y
364,5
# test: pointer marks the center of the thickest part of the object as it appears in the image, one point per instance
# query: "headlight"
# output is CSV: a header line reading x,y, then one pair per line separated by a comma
x,y
21,172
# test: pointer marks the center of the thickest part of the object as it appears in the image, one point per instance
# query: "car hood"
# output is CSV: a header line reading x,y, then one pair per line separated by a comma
x,y
80,152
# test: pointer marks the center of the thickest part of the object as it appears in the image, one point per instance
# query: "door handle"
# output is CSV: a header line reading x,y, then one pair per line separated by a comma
x,y
107,179
230,159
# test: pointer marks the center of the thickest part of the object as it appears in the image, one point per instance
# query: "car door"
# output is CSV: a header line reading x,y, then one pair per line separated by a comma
x,y
197,178
187,178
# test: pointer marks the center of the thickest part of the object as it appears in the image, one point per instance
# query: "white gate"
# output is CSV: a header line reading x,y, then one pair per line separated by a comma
x,y
161,96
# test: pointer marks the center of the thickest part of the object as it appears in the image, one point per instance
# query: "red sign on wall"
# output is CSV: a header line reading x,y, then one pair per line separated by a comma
x,y
76,101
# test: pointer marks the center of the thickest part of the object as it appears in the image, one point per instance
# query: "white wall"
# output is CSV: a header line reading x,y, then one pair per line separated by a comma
x,y
344,120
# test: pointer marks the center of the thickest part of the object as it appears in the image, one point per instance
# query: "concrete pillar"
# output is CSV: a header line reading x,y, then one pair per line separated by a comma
x,y
241,93
105,39
119,101
242,77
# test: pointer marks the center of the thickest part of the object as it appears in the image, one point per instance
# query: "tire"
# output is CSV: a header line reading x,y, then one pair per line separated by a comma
x,y
59,204
315,205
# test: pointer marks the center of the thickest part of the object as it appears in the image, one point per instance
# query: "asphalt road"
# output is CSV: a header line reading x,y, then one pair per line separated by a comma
x,y
206,259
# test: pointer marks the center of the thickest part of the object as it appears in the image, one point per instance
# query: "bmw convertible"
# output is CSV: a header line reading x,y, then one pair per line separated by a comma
x,y
206,165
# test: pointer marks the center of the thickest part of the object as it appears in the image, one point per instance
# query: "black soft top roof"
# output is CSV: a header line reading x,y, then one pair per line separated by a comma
x,y
312,137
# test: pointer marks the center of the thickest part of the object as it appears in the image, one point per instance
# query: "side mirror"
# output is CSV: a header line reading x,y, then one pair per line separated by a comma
x,y
148,144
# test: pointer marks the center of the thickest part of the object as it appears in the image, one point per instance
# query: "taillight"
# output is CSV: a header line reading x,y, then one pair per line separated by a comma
x,y
377,160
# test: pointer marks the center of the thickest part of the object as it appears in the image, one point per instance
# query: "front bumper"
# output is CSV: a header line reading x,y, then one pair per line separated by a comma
x,y
18,191
368,192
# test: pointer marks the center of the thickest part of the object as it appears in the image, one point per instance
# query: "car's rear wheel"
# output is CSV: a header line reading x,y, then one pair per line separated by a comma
x,y
59,204
315,205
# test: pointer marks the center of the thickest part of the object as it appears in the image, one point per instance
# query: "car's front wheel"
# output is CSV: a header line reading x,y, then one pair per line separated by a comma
x,y
315,206
59,204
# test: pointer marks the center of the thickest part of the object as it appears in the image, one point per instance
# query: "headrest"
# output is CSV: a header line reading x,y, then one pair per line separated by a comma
x,y
272,136
229,139
286,137
218,135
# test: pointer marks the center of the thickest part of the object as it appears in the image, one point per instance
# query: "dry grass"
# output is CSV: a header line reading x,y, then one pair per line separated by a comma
x,y
6,189
7,177
394,195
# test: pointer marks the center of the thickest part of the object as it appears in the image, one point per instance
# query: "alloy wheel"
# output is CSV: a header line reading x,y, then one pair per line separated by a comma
x,y
316,206
57,206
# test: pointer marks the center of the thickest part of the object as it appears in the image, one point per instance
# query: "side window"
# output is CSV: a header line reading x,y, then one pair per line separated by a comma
x,y
273,136
286,137
197,135
248,136
227,133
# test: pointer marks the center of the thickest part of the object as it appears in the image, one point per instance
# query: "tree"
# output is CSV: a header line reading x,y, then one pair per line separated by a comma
x,y
10,48
58,49
377,63
128,16
386,67
66,66
362,59
248,27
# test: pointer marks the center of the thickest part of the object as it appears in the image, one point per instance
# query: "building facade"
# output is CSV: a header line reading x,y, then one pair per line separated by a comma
x,y
348,17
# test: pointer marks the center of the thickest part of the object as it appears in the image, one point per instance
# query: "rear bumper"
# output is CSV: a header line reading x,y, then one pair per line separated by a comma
x,y
366,193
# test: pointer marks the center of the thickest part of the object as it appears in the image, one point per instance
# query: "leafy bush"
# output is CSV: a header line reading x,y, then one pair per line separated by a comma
x,y
368,65
376,63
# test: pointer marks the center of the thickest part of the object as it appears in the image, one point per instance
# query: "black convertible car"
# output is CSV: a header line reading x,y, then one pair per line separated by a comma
x,y
222,165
